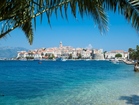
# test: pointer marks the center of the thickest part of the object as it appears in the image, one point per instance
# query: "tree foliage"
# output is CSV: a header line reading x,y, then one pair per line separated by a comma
x,y
134,53
70,56
105,54
21,13
118,55
79,56
29,58
51,56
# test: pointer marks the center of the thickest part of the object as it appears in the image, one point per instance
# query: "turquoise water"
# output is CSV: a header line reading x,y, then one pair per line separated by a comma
x,y
68,83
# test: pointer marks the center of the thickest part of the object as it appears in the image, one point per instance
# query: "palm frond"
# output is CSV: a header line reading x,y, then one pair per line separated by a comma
x,y
19,13
27,29
91,8
94,9
131,12
128,8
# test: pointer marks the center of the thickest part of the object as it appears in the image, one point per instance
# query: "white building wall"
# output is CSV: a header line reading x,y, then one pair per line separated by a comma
x,y
110,55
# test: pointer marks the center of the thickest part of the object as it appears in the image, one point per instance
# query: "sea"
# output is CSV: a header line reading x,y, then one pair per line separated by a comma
x,y
68,83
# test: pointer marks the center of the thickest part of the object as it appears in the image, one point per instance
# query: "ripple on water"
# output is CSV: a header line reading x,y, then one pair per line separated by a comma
x,y
68,83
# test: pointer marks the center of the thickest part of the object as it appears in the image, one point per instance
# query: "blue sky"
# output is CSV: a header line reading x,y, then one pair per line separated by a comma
x,y
77,33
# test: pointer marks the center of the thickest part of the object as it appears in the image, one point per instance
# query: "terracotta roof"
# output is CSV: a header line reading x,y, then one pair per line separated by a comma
x,y
117,51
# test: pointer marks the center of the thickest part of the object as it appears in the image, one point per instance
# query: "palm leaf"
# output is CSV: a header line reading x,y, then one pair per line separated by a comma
x,y
27,28
128,8
19,13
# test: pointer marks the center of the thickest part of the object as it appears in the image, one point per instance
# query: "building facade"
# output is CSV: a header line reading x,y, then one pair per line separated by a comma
x,y
111,54
63,52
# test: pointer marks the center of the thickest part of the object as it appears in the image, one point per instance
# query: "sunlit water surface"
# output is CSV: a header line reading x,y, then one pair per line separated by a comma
x,y
67,83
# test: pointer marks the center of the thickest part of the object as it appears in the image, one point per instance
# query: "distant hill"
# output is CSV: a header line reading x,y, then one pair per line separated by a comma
x,y
10,52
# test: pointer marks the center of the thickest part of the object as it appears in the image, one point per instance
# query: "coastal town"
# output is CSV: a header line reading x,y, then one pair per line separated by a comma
x,y
68,52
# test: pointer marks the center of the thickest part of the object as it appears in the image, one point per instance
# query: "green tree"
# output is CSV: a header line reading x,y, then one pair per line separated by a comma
x,y
79,56
29,58
130,50
134,53
105,54
42,54
21,13
118,55
131,53
51,56
137,52
70,56
46,54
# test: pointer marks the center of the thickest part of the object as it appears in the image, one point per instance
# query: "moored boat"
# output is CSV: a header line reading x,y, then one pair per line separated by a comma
x,y
115,61
129,62
61,59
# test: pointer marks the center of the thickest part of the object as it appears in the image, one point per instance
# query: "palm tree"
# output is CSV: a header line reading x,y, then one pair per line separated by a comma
x,y
130,50
131,53
134,53
137,52
21,13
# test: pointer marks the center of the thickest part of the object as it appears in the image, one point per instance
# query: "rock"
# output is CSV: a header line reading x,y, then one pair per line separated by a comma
x,y
136,67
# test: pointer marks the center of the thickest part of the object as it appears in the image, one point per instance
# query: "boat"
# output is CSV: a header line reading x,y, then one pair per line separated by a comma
x,y
39,62
87,59
114,61
53,59
129,62
58,59
61,59
22,59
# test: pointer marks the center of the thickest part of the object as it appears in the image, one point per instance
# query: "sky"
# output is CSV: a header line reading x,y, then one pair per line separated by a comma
x,y
77,32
